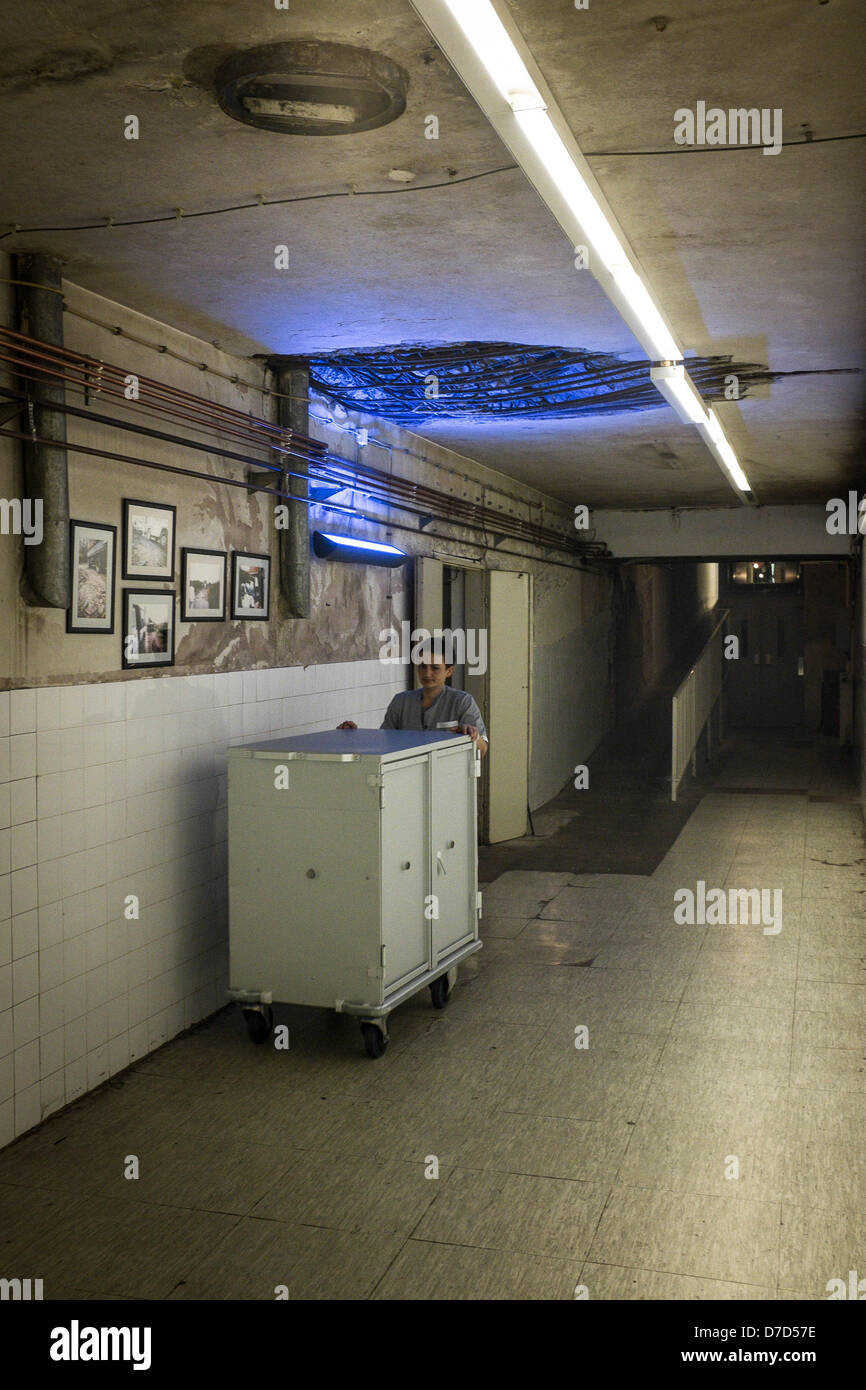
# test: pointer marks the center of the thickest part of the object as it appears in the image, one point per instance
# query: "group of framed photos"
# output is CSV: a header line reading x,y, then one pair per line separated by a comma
x,y
148,618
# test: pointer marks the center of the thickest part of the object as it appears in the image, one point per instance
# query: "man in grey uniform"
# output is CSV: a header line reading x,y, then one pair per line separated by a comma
x,y
434,705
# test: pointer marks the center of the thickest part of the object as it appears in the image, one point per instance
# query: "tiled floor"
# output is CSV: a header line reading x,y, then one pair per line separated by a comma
x,y
487,1154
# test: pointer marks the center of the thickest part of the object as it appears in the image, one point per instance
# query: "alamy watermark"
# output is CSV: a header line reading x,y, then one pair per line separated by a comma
x,y
77,1343
735,126
714,907
846,517
455,646
22,517
20,1290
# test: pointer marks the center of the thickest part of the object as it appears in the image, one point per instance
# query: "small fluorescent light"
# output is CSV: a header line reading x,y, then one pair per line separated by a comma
x,y
354,544
329,546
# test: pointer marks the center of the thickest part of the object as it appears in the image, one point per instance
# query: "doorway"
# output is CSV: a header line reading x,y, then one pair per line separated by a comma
x,y
492,607
765,684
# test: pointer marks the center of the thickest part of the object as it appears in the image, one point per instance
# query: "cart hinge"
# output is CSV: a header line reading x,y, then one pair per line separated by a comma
x,y
478,903
381,798
382,957
476,765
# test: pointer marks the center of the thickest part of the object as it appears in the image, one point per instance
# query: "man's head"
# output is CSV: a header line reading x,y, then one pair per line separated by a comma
x,y
432,670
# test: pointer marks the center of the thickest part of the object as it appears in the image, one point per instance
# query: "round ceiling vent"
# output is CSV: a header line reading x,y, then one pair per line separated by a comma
x,y
304,87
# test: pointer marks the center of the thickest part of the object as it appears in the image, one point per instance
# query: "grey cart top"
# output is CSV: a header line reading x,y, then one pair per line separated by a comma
x,y
350,743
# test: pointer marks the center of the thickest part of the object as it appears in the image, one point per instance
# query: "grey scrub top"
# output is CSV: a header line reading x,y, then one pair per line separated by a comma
x,y
405,712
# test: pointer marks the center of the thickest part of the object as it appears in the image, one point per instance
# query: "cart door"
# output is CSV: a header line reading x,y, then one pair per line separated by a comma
x,y
405,872
453,848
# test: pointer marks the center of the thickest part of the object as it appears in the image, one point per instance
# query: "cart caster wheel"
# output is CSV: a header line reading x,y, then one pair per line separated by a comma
x,y
375,1041
259,1025
440,992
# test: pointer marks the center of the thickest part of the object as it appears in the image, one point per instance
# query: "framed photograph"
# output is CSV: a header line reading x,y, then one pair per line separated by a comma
x,y
92,559
148,540
202,586
148,628
251,583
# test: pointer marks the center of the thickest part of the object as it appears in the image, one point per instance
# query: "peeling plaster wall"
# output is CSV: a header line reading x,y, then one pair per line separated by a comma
x,y
211,516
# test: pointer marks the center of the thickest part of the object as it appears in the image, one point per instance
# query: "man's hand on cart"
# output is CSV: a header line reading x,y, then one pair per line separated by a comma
x,y
473,733
347,724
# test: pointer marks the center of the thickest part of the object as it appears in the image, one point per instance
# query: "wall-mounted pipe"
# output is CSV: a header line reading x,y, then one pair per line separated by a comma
x,y
40,314
293,381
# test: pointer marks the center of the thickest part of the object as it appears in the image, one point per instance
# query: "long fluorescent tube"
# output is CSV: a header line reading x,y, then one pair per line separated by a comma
x,y
497,67
679,391
551,150
494,46
489,54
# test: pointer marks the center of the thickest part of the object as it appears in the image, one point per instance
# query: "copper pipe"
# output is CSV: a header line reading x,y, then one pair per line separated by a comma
x,y
589,547
385,487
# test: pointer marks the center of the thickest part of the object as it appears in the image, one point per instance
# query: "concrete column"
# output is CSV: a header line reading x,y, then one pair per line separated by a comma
x,y
294,382
40,315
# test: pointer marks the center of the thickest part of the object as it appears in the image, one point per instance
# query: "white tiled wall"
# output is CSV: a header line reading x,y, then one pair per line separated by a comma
x,y
109,790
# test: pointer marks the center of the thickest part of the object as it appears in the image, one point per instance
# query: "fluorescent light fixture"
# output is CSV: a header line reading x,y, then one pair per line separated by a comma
x,y
486,50
550,149
714,428
329,546
492,42
715,437
679,391
497,67
649,317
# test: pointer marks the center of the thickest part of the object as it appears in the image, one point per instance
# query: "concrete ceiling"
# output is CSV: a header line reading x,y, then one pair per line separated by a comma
x,y
752,255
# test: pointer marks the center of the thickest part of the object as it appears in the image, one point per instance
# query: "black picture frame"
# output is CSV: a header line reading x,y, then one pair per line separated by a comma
x,y
78,593
147,601
148,572
239,569
188,613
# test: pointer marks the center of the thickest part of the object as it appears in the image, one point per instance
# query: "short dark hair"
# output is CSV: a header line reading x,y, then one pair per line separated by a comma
x,y
434,651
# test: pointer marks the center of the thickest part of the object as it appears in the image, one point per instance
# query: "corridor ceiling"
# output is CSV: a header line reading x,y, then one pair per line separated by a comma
x,y
756,256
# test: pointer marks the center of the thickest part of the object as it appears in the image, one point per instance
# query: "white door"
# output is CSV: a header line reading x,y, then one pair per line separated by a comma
x,y
429,601
453,847
508,698
405,872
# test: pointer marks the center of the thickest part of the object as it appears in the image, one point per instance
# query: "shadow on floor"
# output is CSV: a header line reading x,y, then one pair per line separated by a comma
x,y
625,821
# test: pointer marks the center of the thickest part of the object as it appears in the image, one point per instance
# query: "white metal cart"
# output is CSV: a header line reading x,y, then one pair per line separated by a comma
x,y
353,872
